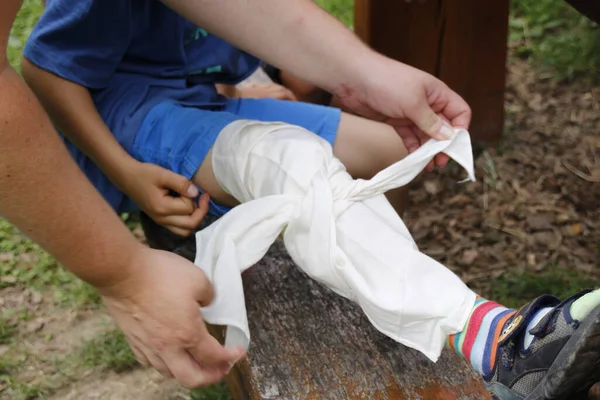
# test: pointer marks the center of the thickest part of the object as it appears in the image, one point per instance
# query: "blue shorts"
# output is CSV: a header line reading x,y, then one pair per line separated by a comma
x,y
178,138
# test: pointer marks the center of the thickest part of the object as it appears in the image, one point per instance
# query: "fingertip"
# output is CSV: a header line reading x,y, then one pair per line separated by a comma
x,y
205,292
236,353
204,200
192,191
446,131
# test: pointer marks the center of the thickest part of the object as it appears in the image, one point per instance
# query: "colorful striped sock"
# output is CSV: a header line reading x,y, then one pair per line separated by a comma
x,y
477,342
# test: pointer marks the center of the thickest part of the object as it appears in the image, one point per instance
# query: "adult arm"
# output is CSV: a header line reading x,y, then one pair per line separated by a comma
x,y
152,295
44,193
295,35
299,37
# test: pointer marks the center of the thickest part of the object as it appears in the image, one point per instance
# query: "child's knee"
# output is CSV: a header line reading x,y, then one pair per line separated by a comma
x,y
250,159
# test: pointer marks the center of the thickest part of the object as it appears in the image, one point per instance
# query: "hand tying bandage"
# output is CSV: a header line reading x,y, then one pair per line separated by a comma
x,y
340,231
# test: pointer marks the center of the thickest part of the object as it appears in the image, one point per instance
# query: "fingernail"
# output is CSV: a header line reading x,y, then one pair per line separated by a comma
x,y
192,191
446,131
235,352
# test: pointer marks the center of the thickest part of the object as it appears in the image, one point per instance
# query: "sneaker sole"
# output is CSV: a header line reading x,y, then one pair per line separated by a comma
x,y
577,366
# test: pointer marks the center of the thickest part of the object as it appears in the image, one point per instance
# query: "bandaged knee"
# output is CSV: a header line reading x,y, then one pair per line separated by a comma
x,y
342,232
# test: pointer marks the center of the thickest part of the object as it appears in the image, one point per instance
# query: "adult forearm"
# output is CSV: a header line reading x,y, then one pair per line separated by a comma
x,y
72,109
294,35
44,194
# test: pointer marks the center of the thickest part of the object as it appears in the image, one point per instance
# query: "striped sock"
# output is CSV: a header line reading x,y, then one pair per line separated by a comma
x,y
477,342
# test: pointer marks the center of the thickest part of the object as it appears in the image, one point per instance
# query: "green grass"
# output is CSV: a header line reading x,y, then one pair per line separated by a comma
x,y
8,326
26,19
559,40
24,391
7,330
216,392
514,290
341,9
24,263
108,351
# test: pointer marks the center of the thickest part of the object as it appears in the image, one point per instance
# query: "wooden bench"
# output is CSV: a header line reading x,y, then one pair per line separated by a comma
x,y
309,343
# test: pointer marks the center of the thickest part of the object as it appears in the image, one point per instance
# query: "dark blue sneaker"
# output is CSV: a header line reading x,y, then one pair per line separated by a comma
x,y
562,362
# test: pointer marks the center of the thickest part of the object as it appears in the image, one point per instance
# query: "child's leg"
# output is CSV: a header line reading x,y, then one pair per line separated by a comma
x,y
546,349
365,147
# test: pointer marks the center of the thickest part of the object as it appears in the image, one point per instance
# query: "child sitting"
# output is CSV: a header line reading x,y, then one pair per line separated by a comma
x,y
132,87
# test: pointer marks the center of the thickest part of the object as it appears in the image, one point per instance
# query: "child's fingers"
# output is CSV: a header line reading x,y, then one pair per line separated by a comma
x,y
288,95
185,222
178,231
178,183
176,206
203,205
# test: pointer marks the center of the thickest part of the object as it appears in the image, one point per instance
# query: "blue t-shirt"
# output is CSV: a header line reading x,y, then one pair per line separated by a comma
x,y
132,55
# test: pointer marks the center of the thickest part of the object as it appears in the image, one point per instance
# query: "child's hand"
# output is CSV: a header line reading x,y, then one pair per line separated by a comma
x,y
264,90
150,187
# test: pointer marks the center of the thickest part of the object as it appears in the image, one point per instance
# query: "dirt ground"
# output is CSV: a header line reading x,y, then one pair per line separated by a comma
x,y
534,209
536,205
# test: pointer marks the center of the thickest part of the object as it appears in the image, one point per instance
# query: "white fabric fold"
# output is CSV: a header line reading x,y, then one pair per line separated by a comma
x,y
340,231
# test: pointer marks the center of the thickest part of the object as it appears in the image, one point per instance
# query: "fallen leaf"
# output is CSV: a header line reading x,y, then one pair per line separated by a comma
x,y
432,187
540,222
469,256
575,229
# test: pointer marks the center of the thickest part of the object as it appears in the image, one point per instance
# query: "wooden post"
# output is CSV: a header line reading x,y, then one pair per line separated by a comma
x,y
462,42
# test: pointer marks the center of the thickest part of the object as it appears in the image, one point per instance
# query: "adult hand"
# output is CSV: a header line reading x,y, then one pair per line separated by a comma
x,y
157,308
264,90
418,105
150,187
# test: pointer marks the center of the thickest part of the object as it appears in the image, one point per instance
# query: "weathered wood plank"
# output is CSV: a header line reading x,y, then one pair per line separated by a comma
x,y
463,42
309,343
